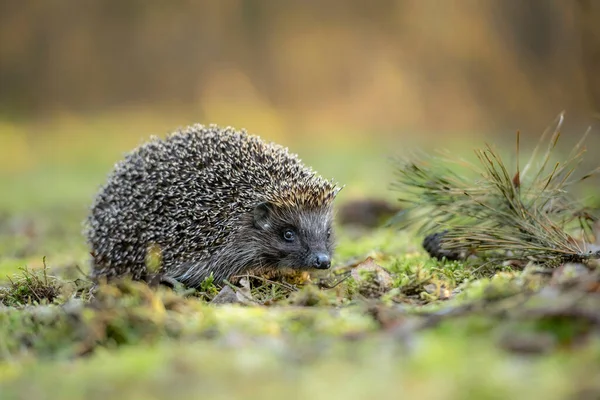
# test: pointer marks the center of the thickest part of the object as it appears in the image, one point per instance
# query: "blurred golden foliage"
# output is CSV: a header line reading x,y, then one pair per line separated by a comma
x,y
296,66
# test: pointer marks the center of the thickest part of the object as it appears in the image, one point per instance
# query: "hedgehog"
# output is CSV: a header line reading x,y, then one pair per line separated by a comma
x,y
210,201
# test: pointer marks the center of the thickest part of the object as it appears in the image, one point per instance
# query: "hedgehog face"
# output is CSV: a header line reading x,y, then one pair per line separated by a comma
x,y
294,238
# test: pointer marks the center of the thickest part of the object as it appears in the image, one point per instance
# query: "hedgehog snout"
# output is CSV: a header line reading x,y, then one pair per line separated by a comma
x,y
321,261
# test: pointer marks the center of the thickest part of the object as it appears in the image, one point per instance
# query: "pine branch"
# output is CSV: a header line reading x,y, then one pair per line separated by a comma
x,y
502,213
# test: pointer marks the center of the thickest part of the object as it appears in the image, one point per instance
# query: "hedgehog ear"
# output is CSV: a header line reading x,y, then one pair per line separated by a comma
x,y
261,215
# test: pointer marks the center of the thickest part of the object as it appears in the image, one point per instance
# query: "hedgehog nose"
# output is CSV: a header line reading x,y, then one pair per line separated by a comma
x,y
322,261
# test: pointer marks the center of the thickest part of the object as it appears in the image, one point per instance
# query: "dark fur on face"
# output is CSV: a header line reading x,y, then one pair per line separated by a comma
x,y
293,238
271,239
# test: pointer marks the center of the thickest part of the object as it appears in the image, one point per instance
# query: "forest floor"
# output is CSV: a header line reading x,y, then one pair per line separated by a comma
x,y
387,321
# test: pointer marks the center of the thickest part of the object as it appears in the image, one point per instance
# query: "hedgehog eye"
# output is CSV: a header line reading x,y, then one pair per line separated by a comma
x,y
288,235
328,233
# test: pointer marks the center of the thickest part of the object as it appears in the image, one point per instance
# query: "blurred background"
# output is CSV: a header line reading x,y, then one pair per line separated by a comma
x,y
300,66
344,83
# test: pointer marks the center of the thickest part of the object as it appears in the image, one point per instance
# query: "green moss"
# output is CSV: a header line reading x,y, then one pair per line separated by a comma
x,y
440,330
437,366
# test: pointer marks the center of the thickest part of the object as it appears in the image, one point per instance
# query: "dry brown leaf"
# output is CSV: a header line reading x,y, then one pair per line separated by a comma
x,y
232,295
371,278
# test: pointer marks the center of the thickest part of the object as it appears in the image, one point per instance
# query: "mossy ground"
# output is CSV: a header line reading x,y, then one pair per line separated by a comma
x,y
397,325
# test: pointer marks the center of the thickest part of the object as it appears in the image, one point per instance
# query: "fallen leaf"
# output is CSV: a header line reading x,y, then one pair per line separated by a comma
x,y
371,278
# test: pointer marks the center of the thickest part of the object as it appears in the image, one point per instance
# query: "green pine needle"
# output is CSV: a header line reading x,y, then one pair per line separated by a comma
x,y
504,213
